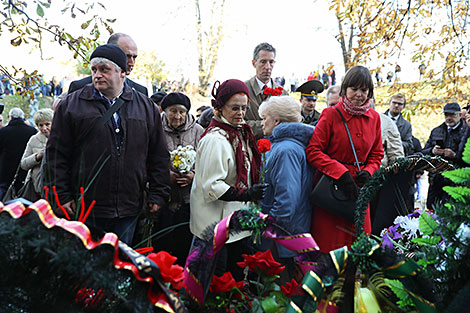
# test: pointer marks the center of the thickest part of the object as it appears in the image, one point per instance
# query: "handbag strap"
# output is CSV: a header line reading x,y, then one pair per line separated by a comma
x,y
103,120
16,174
350,139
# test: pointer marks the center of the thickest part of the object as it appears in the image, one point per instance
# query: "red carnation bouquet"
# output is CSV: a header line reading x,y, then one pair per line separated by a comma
x,y
273,91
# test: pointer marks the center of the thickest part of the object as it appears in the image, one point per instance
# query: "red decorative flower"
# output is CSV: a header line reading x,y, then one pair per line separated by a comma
x,y
273,91
170,273
224,283
264,145
291,289
262,261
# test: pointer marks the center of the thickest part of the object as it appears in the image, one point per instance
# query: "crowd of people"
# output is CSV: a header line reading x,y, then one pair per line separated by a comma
x,y
107,144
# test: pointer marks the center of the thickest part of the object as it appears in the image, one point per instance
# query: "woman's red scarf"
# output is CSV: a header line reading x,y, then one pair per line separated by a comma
x,y
354,109
243,133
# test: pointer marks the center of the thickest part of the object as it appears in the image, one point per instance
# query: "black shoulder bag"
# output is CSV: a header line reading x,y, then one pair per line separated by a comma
x,y
328,195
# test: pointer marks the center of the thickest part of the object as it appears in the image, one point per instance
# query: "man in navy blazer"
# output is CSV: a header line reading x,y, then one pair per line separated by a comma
x,y
127,44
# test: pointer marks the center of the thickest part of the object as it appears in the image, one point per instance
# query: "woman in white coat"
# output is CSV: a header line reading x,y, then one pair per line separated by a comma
x,y
227,170
34,152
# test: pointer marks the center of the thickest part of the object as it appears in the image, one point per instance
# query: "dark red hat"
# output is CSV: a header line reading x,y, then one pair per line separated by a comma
x,y
223,92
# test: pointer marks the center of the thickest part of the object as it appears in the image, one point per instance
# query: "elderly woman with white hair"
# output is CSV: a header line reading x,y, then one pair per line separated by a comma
x,y
288,174
34,152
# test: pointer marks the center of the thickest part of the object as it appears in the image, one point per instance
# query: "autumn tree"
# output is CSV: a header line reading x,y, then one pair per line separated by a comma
x,y
434,32
150,67
27,24
209,36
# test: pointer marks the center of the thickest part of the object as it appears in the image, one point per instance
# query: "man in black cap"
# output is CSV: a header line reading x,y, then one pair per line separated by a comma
x,y
108,139
308,98
127,44
444,141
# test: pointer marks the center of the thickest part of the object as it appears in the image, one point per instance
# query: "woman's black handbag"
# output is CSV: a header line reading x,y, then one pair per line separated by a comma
x,y
11,194
327,192
27,191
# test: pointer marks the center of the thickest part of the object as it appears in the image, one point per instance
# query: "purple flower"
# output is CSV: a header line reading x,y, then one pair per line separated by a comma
x,y
390,234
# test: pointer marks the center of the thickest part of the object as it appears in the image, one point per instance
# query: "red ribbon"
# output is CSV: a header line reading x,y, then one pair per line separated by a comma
x,y
50,220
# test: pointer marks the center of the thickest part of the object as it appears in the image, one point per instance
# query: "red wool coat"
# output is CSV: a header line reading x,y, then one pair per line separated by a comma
x,y
328,145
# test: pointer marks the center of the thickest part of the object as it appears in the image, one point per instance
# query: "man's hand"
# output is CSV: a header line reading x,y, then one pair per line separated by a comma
x,y
448,153
437,150
69,207
467,119
153,207
185,179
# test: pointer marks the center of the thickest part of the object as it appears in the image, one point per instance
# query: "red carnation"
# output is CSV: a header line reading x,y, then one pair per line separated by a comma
x,y
262,261
224,283
264,145
291,289
170,273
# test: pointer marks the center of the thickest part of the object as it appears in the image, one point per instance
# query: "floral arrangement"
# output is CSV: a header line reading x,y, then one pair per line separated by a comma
x,y
273,91
259,292
183,158
403,236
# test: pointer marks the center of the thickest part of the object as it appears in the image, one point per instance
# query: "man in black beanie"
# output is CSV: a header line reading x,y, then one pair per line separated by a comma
x,y
127,44
108,139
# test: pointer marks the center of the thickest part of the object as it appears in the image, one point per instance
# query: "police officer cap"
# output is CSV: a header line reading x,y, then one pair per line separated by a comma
x,y
310,89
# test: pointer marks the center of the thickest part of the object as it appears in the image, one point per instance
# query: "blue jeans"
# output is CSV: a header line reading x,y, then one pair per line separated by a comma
x,y
124,227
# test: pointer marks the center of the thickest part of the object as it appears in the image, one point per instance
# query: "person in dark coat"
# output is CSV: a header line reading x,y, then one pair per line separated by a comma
x,y
127,44
13,140
397,104
114,162
444,141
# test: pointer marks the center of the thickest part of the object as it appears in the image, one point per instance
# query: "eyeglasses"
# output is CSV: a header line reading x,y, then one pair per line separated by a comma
x,y
130,56
236,108
398,103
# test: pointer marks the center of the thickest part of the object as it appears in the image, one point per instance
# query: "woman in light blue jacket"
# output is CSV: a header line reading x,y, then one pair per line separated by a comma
x,y
288,174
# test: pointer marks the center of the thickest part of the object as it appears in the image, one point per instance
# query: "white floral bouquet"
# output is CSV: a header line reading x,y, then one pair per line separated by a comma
x,y
183,158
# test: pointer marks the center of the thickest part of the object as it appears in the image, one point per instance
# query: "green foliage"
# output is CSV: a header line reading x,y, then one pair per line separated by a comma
x,y
427,224
433,240
459,193
399,290
460,175
466,152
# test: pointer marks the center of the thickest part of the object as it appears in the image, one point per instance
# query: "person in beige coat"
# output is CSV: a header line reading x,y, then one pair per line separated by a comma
x,y
34,152
227,171
391,140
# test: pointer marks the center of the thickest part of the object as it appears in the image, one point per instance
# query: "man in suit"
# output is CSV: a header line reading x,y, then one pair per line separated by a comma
x,y
397,104
263,61
127,44
308,99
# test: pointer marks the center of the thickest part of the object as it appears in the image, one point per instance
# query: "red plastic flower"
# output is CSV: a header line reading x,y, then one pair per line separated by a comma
x,y
262,261
172,274
224,283
264,145
291,289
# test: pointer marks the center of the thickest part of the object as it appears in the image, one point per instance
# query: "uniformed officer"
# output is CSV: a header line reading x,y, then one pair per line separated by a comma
x,y
308,98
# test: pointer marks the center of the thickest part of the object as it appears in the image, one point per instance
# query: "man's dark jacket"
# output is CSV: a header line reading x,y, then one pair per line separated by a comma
x,y
13,140
121,174
452,140
78,84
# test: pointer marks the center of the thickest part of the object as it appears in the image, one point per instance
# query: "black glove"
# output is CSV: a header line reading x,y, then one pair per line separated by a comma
x,y
254,193
349,187
362,178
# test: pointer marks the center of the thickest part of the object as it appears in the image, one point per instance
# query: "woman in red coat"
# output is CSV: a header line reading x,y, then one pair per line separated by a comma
x,y
330,152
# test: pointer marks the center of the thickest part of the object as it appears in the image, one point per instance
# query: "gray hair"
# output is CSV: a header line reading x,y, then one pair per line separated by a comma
x,y
43,115
263,46
332,89
16,113
283,108
114,38
100,60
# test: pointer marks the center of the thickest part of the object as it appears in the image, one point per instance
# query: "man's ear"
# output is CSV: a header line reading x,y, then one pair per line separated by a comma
x,y
253,62
123,74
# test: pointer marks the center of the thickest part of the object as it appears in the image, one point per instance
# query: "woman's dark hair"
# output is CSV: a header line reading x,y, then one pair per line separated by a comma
x,y
357,76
